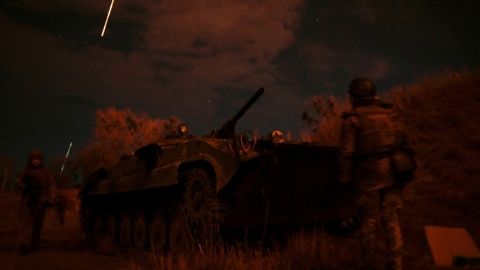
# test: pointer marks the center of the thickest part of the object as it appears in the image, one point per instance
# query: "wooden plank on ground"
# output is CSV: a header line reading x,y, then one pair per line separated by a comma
x,y
449,243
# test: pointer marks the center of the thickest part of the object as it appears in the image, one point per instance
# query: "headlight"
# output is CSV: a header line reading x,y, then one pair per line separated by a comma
x,y
277,136
182,129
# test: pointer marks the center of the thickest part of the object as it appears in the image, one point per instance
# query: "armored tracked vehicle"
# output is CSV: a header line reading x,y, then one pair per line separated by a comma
x,y
226,178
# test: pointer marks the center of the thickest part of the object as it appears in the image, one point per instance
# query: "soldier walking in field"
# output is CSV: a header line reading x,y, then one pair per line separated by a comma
x,y
368,137
36,195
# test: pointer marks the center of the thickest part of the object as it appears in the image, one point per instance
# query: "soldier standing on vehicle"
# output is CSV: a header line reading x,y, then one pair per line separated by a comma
x,y
368,136
36,195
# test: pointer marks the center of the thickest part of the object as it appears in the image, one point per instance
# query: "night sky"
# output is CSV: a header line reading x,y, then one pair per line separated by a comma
x,y
200,60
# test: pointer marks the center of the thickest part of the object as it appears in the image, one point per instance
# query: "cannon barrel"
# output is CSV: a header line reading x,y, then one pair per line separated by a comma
x,y
228,129
247,106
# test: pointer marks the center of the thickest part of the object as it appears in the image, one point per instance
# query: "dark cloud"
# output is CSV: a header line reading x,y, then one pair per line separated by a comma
x,y
200,60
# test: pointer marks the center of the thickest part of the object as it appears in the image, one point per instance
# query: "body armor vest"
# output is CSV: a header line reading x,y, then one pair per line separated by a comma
x,y
377,133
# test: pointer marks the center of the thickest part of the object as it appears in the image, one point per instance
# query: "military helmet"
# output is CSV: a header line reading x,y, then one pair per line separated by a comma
x,y
35,154
362,88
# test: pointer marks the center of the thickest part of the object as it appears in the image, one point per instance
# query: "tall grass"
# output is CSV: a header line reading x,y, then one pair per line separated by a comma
x,y
303,250
442,117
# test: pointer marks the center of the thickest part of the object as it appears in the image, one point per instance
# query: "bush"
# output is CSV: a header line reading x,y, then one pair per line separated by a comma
x,y
118,133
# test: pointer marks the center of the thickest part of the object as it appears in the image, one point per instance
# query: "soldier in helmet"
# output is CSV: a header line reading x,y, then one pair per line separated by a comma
x,y
36,195
368,136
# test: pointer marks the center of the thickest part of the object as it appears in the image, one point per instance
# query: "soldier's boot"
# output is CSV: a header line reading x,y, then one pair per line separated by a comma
x,y
24,250
25,231
38,220
394,264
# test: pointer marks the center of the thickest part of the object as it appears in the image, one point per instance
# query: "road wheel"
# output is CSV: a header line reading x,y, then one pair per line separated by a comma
x,y
180,235
111,229
158,232
108,242
124,232
98,229
199,197
86,220
139,231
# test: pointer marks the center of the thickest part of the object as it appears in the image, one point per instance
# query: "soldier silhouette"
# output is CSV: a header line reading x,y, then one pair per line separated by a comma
x,y
369,135
36,195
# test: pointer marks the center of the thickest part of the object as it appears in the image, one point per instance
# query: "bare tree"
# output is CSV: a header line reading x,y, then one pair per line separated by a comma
x,y
323,119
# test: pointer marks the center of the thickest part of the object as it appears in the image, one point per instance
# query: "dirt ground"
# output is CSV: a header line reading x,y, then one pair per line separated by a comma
x,y
61,247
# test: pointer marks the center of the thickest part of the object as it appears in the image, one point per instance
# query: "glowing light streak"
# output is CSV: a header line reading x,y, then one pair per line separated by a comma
x,y
106,20
66,157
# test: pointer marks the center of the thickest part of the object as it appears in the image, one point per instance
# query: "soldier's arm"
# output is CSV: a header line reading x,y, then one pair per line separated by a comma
x,y
348,141
52,188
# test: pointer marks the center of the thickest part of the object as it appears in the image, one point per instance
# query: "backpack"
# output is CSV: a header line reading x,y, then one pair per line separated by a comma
x,y
403,164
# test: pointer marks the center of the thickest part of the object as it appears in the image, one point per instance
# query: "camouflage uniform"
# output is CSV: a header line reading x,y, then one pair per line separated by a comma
x,y
368,134
37,191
